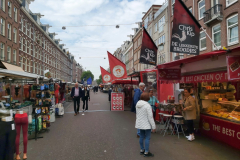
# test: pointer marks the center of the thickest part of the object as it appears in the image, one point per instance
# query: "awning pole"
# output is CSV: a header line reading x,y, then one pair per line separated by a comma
x,y
210,39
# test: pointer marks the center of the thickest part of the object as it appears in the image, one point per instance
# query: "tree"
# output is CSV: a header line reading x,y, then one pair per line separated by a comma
x,y
99,80
87,74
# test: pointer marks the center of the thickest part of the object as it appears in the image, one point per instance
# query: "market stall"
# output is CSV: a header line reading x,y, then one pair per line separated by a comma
x,y
217,96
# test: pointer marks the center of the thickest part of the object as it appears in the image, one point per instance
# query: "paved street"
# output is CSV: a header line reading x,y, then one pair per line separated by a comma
x,y
101,134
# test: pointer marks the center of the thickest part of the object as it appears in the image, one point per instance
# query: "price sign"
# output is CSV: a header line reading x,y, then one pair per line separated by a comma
x,y
117,102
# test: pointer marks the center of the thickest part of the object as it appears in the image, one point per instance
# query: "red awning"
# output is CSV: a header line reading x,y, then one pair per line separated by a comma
x,y
194,59
127,81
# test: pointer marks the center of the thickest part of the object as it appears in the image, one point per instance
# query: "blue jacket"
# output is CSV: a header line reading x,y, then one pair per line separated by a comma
x,y
80,92
136,98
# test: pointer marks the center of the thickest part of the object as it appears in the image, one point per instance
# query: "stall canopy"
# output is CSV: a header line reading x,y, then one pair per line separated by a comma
x,y
192,59
128,81
10,67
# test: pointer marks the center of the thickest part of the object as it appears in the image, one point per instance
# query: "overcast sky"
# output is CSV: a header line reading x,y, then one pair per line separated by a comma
x,y
92,41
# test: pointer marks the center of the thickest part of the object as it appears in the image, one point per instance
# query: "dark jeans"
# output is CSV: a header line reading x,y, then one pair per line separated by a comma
x,y
76,102
7,140
190,126
85,101
145,134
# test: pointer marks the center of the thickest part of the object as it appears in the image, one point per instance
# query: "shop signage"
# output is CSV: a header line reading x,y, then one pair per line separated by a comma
x,y
185,31
206,77
117,102
169,74
233,67
149,49
186,85
221,130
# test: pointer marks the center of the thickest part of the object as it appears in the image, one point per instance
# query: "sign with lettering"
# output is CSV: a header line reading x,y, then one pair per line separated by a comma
x,y
206,77
221,130
186,85
169,74
233,67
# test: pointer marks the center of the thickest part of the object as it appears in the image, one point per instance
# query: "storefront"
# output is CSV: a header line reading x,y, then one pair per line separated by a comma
x,y
216,95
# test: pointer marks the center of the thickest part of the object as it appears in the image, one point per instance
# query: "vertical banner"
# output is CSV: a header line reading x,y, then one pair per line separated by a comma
x,y
117,68
149,49
117,102
185,31
106,76
233,67
89,81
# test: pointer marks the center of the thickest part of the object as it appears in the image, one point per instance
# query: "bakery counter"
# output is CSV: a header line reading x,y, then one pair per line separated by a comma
x,y
220,129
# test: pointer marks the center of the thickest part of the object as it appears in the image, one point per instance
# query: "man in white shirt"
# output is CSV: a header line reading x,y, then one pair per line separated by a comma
x,y
76,94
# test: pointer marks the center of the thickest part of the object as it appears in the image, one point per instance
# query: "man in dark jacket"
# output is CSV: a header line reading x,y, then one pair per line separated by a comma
x,y
136,98
76,94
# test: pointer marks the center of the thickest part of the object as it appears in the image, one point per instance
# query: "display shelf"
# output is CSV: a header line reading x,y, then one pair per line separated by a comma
x,y
225,119
210,99
229,102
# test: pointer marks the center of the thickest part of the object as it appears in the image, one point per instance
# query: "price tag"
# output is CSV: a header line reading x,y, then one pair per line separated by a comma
x,y
13,126
11,113
21,112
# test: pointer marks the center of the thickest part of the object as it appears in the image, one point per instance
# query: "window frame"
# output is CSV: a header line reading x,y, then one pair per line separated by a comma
x,y
227,5
2,51
15,14
190,9
14,35
202,49
172,6
199,18
9,9
9,32
3,8
14,56
9,49
214,48
2,32
231,43
161,24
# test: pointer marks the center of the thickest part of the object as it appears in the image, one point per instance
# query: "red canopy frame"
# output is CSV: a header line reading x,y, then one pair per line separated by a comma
x,y
127,81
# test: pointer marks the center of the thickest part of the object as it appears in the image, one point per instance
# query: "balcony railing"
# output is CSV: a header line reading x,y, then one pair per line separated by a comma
x,y
213,13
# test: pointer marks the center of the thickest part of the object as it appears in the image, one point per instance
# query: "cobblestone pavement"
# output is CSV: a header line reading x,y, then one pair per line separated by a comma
x,y
102,134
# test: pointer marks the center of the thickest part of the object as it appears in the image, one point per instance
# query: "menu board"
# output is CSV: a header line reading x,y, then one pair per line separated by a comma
x,y
233,66
169,74
117,101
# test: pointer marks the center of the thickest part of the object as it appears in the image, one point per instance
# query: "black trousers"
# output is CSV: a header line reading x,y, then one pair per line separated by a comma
x,y
7,140
76,104
85,101
190,126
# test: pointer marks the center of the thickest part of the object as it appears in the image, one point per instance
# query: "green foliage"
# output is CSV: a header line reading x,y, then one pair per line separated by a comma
x,y
99,81
87,74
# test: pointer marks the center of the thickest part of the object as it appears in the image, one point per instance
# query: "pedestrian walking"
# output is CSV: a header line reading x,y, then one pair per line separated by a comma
x,y
145,123
136,98
152,102
189,112
76,94
85,98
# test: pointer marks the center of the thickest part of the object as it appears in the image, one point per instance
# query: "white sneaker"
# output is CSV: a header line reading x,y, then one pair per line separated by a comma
x,y
191,138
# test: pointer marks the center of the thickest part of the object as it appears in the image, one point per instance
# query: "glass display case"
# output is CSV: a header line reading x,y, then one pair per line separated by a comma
x,y
218,100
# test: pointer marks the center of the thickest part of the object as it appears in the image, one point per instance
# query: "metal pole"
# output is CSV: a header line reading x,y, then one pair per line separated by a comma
x,y
210,38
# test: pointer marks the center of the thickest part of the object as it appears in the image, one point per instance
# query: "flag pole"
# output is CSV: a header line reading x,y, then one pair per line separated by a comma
x,y
210,38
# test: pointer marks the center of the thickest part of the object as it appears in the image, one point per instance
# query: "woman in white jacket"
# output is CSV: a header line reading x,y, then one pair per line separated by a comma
x,y
144,122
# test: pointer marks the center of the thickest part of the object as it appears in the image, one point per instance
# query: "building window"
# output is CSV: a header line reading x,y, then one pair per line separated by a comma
x,y
21,43
8,54
216,31
2,51
2,5
232,30
161,42
190,9
202,41
29,66
25,63
9,9
14,35
230,2
14,56
173,2
21,61
9,31
161,24
15,14
150,31
201,9
155,27
2,26
26,45
33,67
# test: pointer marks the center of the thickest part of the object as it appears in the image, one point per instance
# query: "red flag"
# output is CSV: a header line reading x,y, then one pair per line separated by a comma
x,y
106,76
148,50
117,68
185,31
